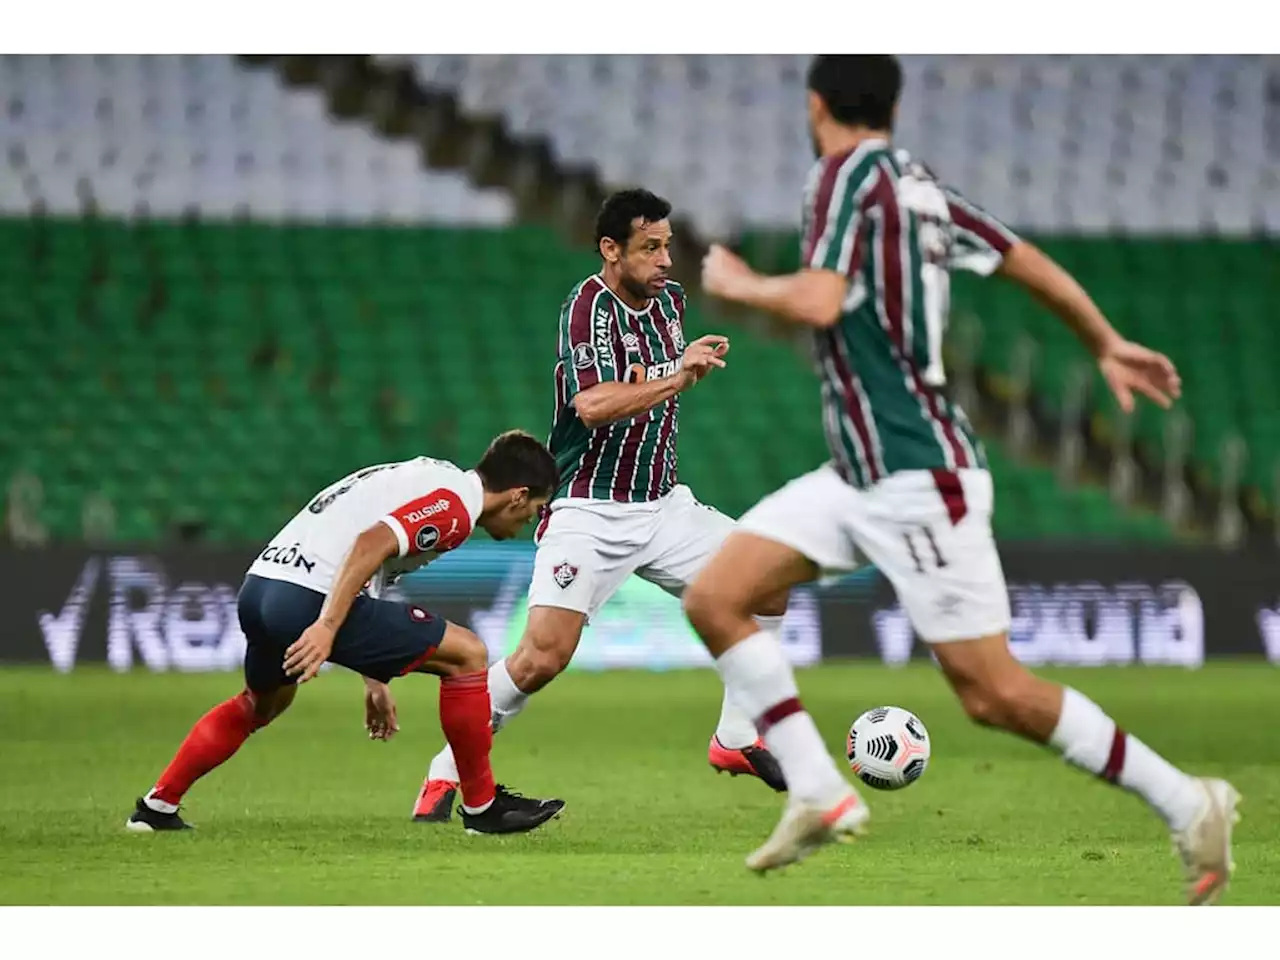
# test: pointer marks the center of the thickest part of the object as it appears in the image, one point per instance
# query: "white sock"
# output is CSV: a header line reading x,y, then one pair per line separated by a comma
x,y
480,809
159,806
1089,739
735,729
505,701
759,678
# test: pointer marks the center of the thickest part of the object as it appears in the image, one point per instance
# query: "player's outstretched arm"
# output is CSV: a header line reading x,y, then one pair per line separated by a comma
x,y
1127,367
1028,266
371,549
810,297
609,401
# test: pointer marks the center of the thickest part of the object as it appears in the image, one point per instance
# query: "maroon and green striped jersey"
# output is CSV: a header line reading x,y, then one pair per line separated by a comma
x,y
601,340
882,219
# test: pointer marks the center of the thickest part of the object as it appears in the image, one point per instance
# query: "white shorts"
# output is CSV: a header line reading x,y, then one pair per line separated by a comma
x,y
930,534
590,547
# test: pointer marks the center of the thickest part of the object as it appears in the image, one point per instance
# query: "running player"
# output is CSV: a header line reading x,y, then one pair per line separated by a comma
x,y
623,363
312,596
907,484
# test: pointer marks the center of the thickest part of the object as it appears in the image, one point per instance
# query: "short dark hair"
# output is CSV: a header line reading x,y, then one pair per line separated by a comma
x,y
860,90
617,212
518,459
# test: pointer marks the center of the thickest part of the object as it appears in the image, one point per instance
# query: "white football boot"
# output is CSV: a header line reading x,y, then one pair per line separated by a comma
x,y
805,827
1205,845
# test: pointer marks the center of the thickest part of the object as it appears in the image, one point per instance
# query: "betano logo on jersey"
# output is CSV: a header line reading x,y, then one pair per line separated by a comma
x,y
639,373
430,510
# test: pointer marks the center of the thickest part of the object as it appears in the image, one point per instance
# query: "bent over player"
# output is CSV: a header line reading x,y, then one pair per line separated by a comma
x,y
304,601
907,483
623,363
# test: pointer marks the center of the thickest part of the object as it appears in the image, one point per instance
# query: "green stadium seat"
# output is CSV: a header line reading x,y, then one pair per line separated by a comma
x,y
225,372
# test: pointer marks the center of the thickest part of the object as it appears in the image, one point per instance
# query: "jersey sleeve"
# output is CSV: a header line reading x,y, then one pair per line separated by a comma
x,y
837,213
979,240
590,341
438,521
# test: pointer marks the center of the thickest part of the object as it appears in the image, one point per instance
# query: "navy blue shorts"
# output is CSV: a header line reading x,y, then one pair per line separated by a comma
x,y
380,639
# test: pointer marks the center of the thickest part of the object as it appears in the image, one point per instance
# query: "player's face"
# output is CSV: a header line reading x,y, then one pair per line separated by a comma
x,y
645,264
518,513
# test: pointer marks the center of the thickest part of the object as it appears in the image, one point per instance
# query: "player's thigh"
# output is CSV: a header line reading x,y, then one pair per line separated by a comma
x,y
687,536
930,534
736,583
784,540
273,614
385,639
808,516
582,559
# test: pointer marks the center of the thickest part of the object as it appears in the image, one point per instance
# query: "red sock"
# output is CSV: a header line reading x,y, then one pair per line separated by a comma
x,y
212,741
464,715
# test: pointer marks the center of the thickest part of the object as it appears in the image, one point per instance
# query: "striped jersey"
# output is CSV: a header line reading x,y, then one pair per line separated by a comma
x,y
882,219
601,340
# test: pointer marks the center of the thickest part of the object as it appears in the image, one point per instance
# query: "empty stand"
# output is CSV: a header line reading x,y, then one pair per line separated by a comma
x,y
1089,144
215,298
167,135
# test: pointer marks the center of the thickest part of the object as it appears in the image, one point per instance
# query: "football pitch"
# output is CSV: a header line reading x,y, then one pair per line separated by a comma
x,y
311,812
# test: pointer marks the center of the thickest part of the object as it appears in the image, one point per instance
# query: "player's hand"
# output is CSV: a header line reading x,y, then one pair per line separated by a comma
x,y
724,273
703,354
379,711
1129,367
307,654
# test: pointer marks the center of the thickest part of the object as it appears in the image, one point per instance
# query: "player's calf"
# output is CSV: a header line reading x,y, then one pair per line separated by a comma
x,y
998,691
720,604
465,716
213,740
549,641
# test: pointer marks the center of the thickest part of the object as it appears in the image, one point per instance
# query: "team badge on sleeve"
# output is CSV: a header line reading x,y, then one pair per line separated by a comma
x,y
584,356
564,574
439,521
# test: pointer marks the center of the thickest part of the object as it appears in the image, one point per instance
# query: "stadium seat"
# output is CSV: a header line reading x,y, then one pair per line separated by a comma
x,y
262,385
1064,144
161,136
192,364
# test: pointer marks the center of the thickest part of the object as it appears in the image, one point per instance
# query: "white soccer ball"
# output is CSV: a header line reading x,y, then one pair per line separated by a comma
x,y
888,748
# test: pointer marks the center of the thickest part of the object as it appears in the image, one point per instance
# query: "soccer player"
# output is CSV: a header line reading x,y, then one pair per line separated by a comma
x,y
623,363
907,484
312,596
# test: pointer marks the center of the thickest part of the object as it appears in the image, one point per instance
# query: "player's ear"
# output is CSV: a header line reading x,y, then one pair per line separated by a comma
x,y
519,496
610,250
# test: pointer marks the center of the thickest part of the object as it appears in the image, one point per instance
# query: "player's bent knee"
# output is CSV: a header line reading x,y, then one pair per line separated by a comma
x,y
267,705
460,652
775,605
709,608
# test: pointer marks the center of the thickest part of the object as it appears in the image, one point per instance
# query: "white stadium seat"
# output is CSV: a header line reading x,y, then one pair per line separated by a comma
x,y
171,134
1064,143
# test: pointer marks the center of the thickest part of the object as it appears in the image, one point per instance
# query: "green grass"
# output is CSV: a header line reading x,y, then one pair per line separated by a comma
x,y
311,812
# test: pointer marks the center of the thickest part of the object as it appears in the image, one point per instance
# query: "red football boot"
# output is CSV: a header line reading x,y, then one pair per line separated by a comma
x,y
752,761
435,801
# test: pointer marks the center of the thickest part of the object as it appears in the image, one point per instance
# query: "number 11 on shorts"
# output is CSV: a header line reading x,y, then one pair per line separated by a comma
x,y
930,547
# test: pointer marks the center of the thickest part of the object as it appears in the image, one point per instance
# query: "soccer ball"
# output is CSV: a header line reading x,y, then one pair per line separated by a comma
x,y
888,748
